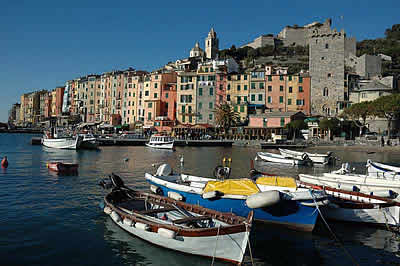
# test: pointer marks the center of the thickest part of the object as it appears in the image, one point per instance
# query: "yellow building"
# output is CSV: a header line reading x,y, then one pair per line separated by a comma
x,y
237,93
186,97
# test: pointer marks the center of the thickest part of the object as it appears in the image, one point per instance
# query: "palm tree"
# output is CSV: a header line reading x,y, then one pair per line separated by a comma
x,y
226,117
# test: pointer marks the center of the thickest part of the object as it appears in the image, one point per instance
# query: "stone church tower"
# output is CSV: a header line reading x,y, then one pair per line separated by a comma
x,y
211,44
328,50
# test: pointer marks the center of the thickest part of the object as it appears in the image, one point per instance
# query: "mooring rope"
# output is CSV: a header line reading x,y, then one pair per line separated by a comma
x,y
333,234
215,249
248,243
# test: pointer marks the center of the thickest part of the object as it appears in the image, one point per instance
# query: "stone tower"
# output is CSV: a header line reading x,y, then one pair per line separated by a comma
x,y
211,44
328,49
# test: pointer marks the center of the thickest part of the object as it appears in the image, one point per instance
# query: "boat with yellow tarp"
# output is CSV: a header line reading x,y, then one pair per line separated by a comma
x,y
275,200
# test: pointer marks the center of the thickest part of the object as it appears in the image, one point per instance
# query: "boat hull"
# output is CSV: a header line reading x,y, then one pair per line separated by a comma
x,y
64,143
231,247
166,146
62,167
289,214
276,158
382,170
314,157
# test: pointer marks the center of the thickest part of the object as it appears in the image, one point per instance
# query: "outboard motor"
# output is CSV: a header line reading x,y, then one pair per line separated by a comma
x,y
164,170
112,181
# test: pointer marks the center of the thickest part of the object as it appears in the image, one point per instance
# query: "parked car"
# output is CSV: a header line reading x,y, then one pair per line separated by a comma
x,y
371,136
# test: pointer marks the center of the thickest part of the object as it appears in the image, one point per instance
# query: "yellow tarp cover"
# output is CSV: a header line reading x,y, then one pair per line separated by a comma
x,y
233,186
281,181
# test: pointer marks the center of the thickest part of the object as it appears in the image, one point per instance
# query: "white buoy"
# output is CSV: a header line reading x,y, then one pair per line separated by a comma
x,y
127,222
142,226
166,233
263,199
115,216
107,210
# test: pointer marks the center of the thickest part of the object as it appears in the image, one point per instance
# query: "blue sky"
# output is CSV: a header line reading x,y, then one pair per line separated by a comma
x,y
45,43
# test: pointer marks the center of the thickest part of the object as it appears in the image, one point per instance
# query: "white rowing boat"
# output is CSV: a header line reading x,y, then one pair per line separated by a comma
x,y
277,158
376,169
314,157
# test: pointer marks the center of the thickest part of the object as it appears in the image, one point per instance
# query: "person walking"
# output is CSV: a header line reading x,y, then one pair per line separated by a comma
x,y
382,141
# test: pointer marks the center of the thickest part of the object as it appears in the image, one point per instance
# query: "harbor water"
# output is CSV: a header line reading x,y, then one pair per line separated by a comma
x,y
51,219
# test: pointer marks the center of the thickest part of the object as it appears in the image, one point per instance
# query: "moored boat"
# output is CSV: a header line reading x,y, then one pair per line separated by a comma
x,y
177,225
59,140
314,157
277,158
62,167
382,170
160,141
89,142
351,206
274,201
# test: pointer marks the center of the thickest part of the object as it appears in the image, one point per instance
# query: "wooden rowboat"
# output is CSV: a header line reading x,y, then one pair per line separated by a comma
x,y
63,167
177,225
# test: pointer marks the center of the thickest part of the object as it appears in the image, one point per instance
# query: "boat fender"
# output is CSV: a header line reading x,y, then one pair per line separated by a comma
x,y
115,216
142,226
166,233
128,222
107,210
164,170
175,195
348,187
212,194
155,189
384,193
263,199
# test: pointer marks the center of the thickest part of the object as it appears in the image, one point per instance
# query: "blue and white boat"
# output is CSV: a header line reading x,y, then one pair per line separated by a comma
x,y
275,200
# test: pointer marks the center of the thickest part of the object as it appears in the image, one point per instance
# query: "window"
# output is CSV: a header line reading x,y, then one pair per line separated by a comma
x,y
253,85
238,99
300,79
290,89
183,109
242,108
211,91
200,105
260,97
281,88
245,77
290,78
253,97
150,105
289,101
200,91
210,116
326,46
183,119
156,77
280,99
238,77
269,99
325,92
189,109
261,85
146,93
210,105
200,117
269,78
245,99
245,87
329,75
228,97
229,87
322,58
166,95
300,89
235,108
229,77
363,95
238,87
300,102
155,85
282,121
206,69
155,95
269,88
280,77
221,77
149,116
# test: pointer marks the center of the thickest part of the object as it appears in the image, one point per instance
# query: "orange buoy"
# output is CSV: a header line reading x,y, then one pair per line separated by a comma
x,y
4,162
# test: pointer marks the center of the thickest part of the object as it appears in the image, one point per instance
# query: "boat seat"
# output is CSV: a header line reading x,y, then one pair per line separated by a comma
x,y
191,219
152,211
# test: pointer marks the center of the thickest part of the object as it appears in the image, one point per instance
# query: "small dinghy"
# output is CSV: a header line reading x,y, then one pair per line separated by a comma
x,y
376,169
277,158
177,225
350,206
314,157
61,167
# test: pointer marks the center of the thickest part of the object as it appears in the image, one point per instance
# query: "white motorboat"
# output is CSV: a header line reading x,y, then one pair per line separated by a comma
x,y
161,142
376,169
89,141
177,225
60,141
277,158
314,157
358,207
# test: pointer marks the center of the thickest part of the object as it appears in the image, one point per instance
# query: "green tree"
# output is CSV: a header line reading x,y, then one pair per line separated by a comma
x,y
358,113
388,107
226,117
295,126
331,124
